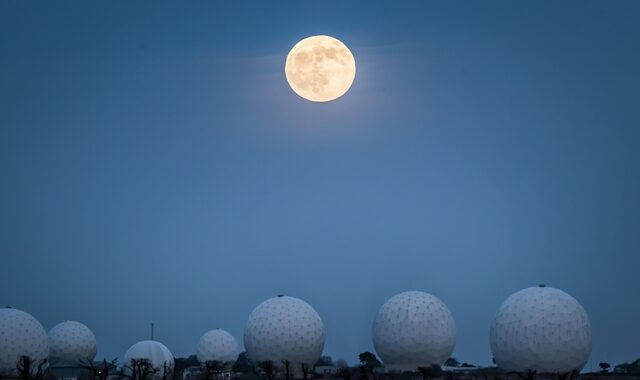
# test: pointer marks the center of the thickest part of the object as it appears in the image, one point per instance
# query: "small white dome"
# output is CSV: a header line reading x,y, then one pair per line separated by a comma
x,y
71,343
21,335
284,328
217,345
155,352
414,329
542,329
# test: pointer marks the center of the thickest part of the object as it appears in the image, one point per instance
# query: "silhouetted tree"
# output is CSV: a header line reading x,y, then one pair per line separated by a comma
x,y
530,375
100,372
24,367
268,368
452,362
605,366
345,373
180,364
40,370
369,362
140,369
364,372
430,372
287,365
369,359
29,369
166,371
629,368
305,370
571,375
244,364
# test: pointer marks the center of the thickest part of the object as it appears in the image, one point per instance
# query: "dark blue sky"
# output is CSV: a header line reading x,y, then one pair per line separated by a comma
x,y
156,166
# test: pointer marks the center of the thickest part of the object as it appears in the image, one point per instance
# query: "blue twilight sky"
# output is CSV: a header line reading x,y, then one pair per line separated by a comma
x,y
156,166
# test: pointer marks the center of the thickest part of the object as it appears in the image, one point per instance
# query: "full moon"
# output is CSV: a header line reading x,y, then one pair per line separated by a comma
x,y
320,68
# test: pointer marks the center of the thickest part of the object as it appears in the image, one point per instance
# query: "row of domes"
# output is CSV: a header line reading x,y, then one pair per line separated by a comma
x,y
539,328
68,343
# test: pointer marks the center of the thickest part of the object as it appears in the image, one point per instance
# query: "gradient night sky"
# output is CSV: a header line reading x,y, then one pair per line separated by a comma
x,y
156,166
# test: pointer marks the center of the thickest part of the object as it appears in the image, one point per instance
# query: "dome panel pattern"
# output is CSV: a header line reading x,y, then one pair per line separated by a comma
x,y
71,343
284,328
20,335
541,329
217,345
155,352
414,329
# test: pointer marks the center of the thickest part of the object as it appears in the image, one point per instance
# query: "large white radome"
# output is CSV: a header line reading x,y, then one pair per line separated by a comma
x,y
413,329
71,343
155,352
284,328
217,345
21,335
541,329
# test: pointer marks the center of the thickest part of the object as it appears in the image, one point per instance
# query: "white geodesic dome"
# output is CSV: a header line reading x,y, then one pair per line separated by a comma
x,y
71,344
284,328
541,329
155,352
21,335
413,329
217,345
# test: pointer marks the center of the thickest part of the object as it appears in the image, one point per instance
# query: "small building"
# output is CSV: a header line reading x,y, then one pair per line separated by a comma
x,y
325,370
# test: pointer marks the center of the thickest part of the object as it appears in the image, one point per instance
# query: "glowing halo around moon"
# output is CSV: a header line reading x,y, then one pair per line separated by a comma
x,y
320,68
